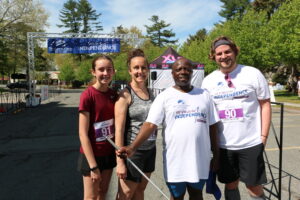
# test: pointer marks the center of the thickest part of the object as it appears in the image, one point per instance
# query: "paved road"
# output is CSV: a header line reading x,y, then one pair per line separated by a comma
x,y
39,149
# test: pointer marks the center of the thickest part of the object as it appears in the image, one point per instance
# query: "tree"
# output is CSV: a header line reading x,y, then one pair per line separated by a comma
x,y
67,73
283,38
70,17
41,61
270,6
233,8
30,12
3,59
159,35
83,73
89,17
199,36
79,16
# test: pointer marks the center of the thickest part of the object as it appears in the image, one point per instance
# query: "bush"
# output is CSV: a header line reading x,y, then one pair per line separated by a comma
x,y
77,84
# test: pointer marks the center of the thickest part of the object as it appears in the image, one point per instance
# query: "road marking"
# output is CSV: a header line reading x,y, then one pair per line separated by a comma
x,y
284,148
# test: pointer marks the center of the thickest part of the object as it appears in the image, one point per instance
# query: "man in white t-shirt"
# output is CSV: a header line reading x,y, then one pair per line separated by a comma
x,y
188,116
242,98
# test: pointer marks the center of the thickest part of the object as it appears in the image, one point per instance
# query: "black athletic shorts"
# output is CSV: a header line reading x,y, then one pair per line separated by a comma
x,y
103,162
145,161
245,164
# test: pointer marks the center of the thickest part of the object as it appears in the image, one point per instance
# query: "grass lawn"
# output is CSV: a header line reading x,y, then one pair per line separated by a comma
x,y
285,96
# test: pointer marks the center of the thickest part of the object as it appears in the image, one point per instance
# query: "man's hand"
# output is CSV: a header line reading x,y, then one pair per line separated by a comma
x,y
124,152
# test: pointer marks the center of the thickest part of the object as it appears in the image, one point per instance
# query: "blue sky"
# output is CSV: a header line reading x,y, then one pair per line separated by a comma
x,y
185,16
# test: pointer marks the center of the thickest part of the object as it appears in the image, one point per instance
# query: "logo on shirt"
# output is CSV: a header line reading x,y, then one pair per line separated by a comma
x,y
197,114
180,101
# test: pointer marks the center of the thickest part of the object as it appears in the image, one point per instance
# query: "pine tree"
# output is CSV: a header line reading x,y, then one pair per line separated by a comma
x,y
89,17
233,8
199,36
70,17
79,16
158,34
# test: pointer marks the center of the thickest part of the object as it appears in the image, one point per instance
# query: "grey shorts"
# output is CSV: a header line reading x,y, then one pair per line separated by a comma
x,y
245,164
145,161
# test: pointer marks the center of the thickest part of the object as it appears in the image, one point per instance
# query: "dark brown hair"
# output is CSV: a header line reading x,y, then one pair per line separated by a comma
x,y
104,57
136,53
229,42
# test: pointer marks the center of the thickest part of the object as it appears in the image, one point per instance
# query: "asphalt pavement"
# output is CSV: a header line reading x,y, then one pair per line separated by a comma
x,y
39,149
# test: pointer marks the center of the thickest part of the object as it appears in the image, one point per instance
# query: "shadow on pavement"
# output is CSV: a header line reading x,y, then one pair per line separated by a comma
x,y
38,153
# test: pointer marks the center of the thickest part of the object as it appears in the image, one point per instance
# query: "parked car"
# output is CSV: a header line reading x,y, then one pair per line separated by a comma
x,y
20,85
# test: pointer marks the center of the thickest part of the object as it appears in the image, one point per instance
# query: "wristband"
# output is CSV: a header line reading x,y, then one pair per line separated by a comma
x,y
94,168
264,136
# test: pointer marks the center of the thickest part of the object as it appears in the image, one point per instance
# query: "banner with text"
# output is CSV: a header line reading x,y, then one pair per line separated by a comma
x,y
83,45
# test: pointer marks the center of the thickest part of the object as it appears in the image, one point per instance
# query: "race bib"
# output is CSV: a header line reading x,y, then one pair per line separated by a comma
x,y
231,113
104,129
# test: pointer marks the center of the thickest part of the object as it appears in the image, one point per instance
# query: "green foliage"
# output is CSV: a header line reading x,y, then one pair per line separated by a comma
x,y
233,8
83,72
17,18
152,51
70,17
264,43
270,6
283,38
3,58
79,16
28,12
121,67
89,17
42,77
41,62
200,36
158,34
67,73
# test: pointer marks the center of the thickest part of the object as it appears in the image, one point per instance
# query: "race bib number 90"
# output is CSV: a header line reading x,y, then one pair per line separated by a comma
x,y
104,129
234,114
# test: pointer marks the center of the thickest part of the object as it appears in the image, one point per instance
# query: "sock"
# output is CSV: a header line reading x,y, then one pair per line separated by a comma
x,y
232,194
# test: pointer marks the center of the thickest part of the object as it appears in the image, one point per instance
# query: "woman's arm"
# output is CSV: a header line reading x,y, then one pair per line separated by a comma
x,y
121,107
84,120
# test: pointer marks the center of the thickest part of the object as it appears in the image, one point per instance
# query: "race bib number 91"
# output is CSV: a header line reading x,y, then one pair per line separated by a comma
x,y
104,129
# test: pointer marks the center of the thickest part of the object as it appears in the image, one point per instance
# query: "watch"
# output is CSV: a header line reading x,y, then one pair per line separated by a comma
x,y
94,168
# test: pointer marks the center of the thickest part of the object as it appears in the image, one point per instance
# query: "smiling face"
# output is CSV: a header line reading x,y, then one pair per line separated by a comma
x,y
138,69
225,58
103,71
182,72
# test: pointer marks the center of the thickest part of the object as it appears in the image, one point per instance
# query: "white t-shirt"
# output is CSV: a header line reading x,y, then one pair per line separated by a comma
x,y
238,107
186,143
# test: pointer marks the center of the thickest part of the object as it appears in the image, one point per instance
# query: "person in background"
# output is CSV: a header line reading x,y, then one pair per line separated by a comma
x,y
96,122
188,116
298,86
131,110
241,95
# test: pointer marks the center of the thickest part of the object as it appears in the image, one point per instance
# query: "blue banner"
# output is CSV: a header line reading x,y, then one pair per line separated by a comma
x,y
83,45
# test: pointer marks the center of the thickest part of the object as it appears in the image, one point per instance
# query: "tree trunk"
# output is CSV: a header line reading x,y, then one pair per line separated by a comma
x,y
292,80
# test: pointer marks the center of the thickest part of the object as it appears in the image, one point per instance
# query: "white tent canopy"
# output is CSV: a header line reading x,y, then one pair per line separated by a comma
x,y
160,71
